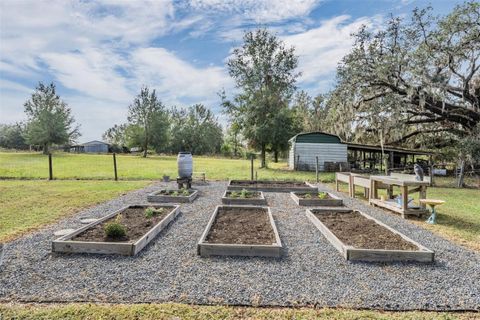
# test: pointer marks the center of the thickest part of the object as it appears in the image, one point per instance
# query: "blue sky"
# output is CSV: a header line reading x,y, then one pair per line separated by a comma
x,y
99,53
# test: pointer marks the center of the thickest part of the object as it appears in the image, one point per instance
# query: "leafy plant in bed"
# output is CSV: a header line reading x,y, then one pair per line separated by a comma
x,y
245,197
173,196
316,199
125,231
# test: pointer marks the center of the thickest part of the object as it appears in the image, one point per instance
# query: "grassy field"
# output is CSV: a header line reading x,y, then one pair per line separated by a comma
x,y
182,311
28,204
458,219
95,166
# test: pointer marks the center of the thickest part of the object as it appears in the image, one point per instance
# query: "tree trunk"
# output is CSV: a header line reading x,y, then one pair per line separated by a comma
x,y
264,160
145,144
45,148
275,156
461,175
235,145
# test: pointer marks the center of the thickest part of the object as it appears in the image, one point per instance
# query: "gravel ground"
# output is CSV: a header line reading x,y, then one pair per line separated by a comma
x,y
311,272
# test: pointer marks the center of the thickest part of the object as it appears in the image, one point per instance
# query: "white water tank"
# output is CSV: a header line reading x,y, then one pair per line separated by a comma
x,y
185,164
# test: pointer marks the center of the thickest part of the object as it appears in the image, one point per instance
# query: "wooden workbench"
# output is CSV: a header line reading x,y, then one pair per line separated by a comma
x,y
407,186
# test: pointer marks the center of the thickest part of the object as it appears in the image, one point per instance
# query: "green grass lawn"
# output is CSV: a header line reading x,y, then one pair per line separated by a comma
x,y
96,166
28,204
184,311
458,219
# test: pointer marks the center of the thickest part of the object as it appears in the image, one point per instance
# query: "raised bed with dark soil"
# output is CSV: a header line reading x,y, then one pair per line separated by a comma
x,y
140,230
271,186
240,231
172,196
252,198
360,237
324,199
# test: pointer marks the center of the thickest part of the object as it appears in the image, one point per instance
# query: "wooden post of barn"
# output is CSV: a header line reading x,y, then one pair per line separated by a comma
x,y
115,166
316,168
50,167
251,167
431,171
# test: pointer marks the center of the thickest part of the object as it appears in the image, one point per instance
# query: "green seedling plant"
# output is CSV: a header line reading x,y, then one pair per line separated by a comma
x,y
174,193
234,194
322,195
115,229
308,196
185,192
245,194
150,212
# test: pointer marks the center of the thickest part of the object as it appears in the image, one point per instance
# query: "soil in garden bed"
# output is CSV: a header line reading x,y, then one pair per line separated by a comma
x,y
355,230
248,195
313,195
133,219
241,226
274,184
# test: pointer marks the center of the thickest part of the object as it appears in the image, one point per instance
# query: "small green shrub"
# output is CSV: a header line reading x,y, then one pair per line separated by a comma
x,y
174,193
245,193
322,195
308,196
234,194
115,229
185,192
150,212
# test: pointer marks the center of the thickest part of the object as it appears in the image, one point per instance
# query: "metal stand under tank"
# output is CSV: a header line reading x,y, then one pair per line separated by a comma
x,y
184,181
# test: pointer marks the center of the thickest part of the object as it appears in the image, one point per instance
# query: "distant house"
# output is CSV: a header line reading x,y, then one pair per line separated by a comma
x,y
94,146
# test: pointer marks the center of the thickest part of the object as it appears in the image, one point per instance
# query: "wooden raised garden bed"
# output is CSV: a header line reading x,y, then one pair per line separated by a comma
x,y
325,199
240,231
271,186
140,230
173,196
359,237
255,198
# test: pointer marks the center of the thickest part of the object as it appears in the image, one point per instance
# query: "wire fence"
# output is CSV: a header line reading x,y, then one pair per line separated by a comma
x,y
62,165
88,166
67,166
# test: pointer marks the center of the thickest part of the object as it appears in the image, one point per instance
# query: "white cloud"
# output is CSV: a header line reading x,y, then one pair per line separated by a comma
x,y
174,78
260,11
321,49
90,71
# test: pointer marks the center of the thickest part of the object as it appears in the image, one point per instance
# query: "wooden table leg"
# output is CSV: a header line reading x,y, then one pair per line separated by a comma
x,y
423,195
404,200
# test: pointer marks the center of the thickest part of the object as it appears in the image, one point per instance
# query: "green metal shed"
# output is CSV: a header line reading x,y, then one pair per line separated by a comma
x,y
306,147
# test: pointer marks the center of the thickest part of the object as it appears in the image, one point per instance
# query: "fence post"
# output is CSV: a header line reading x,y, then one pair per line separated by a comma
x,y
50,167
316,168
251,167
115,166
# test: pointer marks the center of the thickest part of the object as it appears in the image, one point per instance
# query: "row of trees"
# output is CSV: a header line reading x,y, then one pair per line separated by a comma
x,y
49,121
151,125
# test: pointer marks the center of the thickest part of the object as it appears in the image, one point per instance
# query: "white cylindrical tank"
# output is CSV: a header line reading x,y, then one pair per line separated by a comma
x,y
185,164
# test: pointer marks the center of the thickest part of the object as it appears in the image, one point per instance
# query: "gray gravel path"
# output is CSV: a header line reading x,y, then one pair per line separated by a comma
x,y
311,271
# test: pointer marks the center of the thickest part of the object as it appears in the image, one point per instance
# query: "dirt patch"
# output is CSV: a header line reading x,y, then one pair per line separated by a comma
x,y
245,195
313,195
355,230
133,219
241,226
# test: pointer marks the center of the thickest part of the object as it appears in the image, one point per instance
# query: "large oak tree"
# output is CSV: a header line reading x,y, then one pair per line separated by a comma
x,y
264,71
